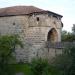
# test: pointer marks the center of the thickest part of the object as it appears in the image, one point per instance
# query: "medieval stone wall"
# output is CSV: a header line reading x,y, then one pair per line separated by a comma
x,y
32,29
38,30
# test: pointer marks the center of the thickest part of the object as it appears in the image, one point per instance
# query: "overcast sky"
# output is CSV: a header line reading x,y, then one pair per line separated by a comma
x,y
63,7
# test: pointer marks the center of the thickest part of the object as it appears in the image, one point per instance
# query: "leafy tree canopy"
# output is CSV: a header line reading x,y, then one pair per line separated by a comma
x,y
8,45
67,36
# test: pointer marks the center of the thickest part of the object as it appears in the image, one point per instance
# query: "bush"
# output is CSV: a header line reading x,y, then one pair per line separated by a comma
x,y
66,62
42,67
8,44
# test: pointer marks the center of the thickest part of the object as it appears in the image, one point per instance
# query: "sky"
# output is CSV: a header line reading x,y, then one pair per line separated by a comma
x,y
63,7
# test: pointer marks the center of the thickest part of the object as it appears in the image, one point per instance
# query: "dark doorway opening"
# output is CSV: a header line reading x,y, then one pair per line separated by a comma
x,y
52,36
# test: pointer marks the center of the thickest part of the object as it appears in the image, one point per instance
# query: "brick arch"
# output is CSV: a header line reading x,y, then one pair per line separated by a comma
x,y
52,35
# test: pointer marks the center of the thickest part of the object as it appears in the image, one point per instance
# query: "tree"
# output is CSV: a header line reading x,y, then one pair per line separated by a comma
x,y
65,63
73,29
63,35
71,54
8,45
67,36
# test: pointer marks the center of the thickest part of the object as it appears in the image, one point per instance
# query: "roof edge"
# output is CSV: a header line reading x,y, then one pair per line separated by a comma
x,y
54,13
41,11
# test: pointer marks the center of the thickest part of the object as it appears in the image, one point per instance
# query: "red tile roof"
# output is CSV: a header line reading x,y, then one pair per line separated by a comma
x,y
21,10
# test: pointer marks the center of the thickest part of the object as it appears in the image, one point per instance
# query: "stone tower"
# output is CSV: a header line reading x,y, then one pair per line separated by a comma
x,y
34,25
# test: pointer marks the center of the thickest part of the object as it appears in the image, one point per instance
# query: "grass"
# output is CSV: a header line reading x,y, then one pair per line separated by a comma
x,y
24,68
37,67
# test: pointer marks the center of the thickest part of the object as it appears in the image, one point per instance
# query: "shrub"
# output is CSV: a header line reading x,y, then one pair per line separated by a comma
x,y
42,67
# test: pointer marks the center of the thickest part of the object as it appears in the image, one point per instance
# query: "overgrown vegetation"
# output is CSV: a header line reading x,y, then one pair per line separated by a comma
x,y
8,44
66,62
63,64
36,67
42,67
67,36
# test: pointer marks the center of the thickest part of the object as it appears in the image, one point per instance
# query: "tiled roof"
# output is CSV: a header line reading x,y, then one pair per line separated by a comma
x,y
21,10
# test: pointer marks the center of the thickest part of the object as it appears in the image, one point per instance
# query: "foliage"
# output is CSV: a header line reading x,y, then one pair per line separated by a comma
x,y
24,68
73,29
71,53
8,45
42,67
62,63
36,67
66,62
67,36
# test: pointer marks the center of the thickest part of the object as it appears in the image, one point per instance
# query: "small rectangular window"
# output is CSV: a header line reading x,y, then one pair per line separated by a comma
x,y
37,18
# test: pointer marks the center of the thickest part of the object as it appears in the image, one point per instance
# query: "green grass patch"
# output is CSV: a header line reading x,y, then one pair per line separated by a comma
x,y
25,68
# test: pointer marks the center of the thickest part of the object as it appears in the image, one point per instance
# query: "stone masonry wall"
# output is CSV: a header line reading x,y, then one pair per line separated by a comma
x,y
31,31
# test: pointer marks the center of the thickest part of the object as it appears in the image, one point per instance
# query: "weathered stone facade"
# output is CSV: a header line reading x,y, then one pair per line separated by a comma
x,y
35,29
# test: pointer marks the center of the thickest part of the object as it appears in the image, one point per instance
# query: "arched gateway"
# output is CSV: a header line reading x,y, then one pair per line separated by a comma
x,y
52,36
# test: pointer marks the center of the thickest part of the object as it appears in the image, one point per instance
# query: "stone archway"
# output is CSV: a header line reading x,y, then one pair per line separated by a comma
x,y
52,36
